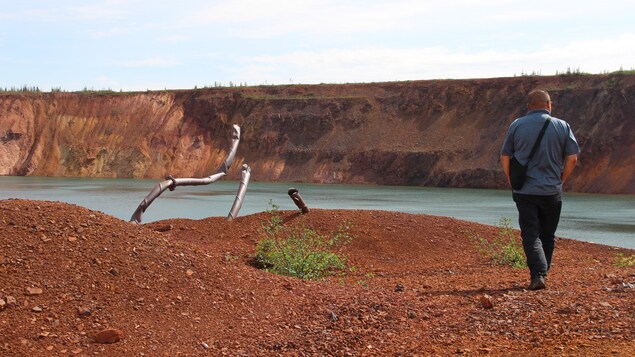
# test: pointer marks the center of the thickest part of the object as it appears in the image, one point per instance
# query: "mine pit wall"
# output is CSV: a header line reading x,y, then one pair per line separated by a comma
x,y
444,133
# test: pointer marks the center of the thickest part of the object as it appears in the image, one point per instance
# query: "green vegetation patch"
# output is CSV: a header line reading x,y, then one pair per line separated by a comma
x,y
300,252
622,260
504,249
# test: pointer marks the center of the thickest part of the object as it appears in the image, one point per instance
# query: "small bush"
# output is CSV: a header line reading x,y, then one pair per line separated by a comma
x,y
623,261
300,252
505,248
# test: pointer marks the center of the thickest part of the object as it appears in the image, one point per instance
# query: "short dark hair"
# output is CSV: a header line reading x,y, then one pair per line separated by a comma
x,y
538,96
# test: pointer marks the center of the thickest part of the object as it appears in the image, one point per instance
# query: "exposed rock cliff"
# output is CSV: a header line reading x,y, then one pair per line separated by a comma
x,y
434,133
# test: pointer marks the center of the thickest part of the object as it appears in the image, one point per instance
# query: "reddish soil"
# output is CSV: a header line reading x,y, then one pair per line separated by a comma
x,y
189,288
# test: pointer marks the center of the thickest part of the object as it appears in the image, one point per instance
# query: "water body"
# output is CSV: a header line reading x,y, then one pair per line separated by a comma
x,y
604,219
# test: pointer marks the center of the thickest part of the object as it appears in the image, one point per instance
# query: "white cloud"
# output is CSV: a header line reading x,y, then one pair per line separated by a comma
x,y
151,62
384,64
99,11
596,55
271,18
308,41
174,38
112,31
107,82
260,19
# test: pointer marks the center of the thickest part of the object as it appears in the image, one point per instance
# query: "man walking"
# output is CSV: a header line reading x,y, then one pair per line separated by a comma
x,y
539,200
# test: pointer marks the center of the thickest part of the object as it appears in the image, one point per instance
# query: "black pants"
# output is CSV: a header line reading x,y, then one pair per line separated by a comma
x,y
538,217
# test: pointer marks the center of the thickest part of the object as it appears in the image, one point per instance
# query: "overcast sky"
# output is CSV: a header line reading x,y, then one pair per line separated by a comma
x,y
156,44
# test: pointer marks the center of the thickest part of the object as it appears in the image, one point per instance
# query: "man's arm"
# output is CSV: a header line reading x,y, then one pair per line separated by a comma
x,y
569,163
505,163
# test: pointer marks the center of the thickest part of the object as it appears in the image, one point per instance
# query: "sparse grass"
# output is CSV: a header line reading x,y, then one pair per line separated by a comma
x,y
300,252
23,89
573,72
623,261
505,248
228,258
624,71
102,92
308,96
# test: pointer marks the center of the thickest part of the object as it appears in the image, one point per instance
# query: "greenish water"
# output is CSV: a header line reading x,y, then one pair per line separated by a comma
x,y
604,219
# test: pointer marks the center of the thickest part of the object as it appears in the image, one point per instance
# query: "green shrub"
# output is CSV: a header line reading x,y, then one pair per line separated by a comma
x,y
623,261
505,248
300,252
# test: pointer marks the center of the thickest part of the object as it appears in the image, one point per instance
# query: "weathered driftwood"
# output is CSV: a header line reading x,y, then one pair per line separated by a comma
x,y
240,195
295,196
171,183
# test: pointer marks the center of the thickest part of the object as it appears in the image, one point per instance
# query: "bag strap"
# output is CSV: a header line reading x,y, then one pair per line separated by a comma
x,y
542,133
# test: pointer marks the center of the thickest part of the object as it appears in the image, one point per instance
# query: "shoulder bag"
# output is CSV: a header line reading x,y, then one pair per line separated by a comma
x,y
518,172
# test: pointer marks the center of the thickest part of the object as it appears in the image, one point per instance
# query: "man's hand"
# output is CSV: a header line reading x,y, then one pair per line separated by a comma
x,y
505,163
569,163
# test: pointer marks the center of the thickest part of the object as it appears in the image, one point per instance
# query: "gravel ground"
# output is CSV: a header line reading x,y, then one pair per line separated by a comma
x,y
81,283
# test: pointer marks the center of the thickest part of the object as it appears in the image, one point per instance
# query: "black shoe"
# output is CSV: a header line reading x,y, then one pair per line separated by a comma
x,y
537,283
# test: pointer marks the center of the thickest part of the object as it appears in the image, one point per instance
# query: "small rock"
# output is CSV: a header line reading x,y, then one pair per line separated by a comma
x,y
37,309
164,228
486,301
189,272
605,304
412,314
84,311
3,304
108,336
333,316
34,291
399,288
114,271
72,239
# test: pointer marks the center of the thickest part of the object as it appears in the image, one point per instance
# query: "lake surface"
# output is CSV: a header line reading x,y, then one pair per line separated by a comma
x,y
604,219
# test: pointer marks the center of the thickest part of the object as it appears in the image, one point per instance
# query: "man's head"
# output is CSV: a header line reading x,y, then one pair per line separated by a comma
x,y
538,99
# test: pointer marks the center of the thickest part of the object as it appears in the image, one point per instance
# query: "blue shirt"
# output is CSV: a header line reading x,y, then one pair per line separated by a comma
x,y
544,172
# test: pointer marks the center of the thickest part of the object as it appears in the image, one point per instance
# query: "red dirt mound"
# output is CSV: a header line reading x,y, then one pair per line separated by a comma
x,y
72,279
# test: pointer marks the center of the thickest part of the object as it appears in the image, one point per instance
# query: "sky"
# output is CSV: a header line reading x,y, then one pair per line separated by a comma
x,y
137,45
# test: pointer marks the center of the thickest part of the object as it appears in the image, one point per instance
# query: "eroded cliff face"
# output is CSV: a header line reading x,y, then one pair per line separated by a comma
x,y
428,133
